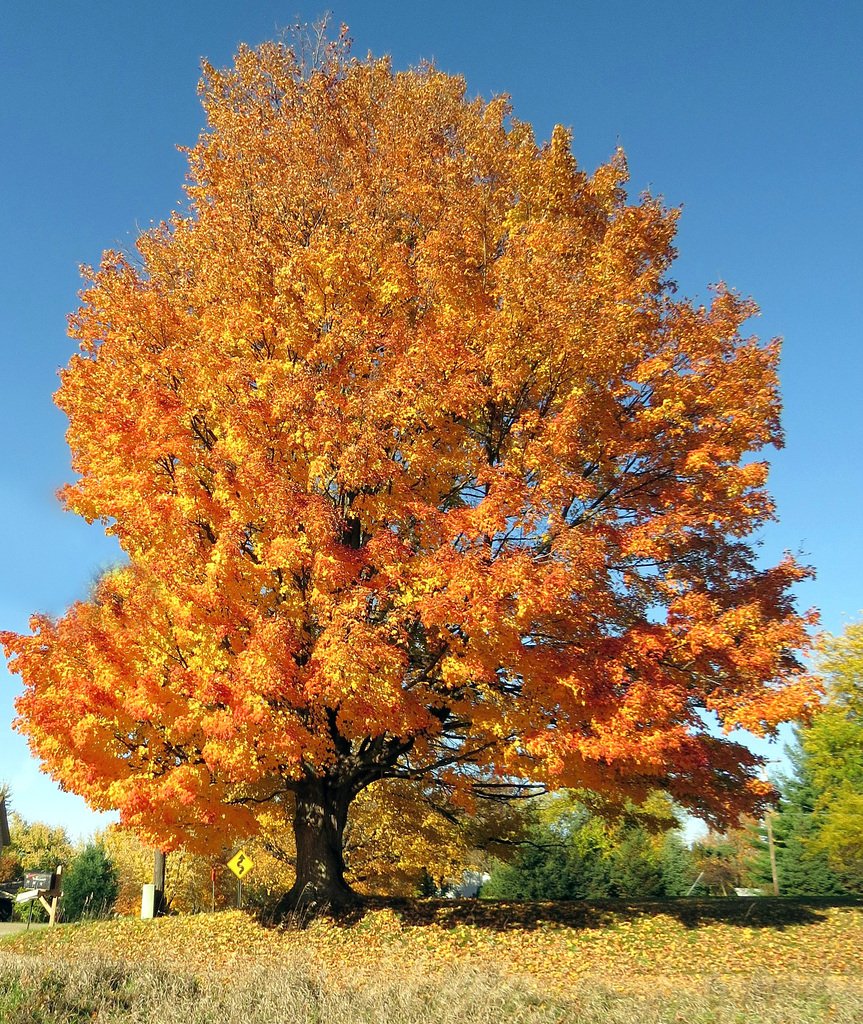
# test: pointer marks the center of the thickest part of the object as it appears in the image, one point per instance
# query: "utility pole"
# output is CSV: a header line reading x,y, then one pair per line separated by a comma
x,y
4,824
768,824
153,893
772,848
159,883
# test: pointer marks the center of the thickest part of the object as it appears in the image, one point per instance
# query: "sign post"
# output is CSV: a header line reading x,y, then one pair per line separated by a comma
x,y
241,864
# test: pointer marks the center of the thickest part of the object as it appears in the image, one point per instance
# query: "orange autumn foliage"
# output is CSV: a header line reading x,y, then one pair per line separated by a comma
x,y
420,466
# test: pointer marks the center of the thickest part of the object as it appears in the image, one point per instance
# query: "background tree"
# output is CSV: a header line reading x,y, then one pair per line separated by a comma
x,y
421,469
677,864
188,876
573,853
833,742
541,871
8,863
636,869
37,846
133,863
400,834
840,837
560,858
90,886
802,867
724,860
832,747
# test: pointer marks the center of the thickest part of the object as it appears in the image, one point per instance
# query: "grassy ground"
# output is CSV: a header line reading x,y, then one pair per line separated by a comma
x,y
11,927
424,962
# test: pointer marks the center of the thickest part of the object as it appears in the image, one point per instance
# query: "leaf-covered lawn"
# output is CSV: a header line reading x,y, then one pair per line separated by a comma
x,y
553,945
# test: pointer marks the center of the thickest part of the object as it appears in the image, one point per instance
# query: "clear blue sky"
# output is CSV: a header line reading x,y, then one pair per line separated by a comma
x,y
747,113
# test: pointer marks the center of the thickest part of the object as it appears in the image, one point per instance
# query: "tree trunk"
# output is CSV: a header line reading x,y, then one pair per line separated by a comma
x,y
319,825
160,905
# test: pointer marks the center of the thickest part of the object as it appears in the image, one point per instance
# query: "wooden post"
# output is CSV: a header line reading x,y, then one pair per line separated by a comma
x,y
772,848
55,895
695,883
159,883
4,824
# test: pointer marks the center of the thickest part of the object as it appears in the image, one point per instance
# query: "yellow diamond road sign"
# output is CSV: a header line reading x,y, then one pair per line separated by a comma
x,y
241,864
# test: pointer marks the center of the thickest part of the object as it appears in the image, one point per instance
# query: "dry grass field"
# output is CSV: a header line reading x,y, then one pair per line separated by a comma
x,y
443,962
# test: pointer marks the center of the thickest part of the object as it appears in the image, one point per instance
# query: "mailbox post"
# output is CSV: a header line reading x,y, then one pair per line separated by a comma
x,y
37,885
45,887
53,893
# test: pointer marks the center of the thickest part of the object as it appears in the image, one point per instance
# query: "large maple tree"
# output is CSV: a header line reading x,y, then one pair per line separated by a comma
x,y
421,468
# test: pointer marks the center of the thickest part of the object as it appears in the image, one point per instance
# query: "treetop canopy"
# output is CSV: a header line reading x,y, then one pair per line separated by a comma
x,y
422,468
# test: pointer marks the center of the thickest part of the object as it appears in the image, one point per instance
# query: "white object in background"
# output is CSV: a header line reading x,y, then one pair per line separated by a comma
x,y
148,901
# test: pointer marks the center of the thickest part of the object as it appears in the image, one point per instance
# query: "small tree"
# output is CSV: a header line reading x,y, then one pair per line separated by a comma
x,y
725,860
677,865
636,869
8,861
37,846
832,750
546,867
572,853
802,863
90,886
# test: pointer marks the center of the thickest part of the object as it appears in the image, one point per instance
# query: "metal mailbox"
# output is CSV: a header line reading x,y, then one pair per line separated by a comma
x,y
43,881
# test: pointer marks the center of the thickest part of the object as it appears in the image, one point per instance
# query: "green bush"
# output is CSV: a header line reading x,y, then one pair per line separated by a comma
x,y
90,887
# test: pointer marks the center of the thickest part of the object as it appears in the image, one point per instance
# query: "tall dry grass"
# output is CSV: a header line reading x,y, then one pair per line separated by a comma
x,y
34,990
